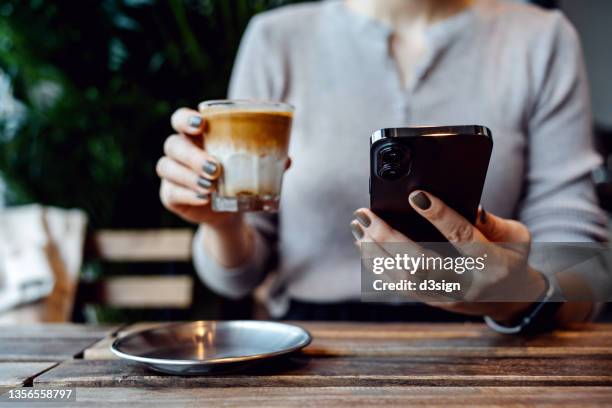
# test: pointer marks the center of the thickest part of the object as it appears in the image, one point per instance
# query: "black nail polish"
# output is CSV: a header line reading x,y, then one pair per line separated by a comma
x,y
363,218
356,230
483,215
204,183
421,201
210,167
195,121
202,196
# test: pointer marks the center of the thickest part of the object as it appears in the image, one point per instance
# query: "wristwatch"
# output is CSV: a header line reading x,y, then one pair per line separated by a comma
x,y
540,317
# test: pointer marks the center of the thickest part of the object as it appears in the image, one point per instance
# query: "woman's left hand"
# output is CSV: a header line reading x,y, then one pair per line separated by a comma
x,y
506,266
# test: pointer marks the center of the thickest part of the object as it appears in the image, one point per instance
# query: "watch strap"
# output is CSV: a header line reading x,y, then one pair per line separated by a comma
x,y
541,315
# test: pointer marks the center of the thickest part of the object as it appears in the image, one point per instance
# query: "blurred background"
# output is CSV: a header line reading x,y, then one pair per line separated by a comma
x,y
86,92
94,84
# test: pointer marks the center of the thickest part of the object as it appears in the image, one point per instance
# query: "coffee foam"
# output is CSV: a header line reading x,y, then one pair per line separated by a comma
x,y
248,130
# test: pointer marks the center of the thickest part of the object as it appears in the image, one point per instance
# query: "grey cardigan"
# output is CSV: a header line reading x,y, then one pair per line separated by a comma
x,y
512,67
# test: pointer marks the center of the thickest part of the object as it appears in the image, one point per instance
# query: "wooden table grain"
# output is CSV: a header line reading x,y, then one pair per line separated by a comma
x,y
49,342
14,374
346,364
321,397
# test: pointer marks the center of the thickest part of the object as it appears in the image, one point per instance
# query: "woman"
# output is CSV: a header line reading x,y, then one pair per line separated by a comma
x,y
351,67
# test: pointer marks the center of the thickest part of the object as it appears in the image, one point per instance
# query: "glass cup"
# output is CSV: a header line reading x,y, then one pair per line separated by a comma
x,y
251,141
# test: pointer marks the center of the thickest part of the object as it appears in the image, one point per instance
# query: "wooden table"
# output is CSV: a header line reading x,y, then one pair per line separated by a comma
x,y
347,364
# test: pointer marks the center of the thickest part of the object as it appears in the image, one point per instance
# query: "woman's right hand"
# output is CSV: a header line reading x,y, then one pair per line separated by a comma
x,y
188,174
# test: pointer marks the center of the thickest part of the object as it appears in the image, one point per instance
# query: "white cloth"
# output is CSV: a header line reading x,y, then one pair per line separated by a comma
x,y
40,258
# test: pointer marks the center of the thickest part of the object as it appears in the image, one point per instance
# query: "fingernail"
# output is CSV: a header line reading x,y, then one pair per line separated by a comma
x,y
357,230
483,215
202,196
204,183
195,121
421,200
363,218
210,167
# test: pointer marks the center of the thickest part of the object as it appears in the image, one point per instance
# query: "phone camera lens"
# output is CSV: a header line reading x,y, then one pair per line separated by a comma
x,y
390,171
393,161
392,154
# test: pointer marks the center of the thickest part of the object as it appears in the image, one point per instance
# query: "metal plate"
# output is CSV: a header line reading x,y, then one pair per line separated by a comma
x,y
206,346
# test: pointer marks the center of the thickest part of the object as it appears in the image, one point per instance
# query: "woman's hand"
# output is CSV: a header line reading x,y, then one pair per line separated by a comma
x,y
188,176
188,173
506,271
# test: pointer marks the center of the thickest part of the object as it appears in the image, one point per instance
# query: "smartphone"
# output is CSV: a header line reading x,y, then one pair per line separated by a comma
x,y
450,162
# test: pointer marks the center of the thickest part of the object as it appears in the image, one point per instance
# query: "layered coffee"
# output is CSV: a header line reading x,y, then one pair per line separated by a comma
x,y
251,141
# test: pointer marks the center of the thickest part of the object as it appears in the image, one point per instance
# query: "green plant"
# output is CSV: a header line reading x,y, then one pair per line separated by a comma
x,y
96,83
